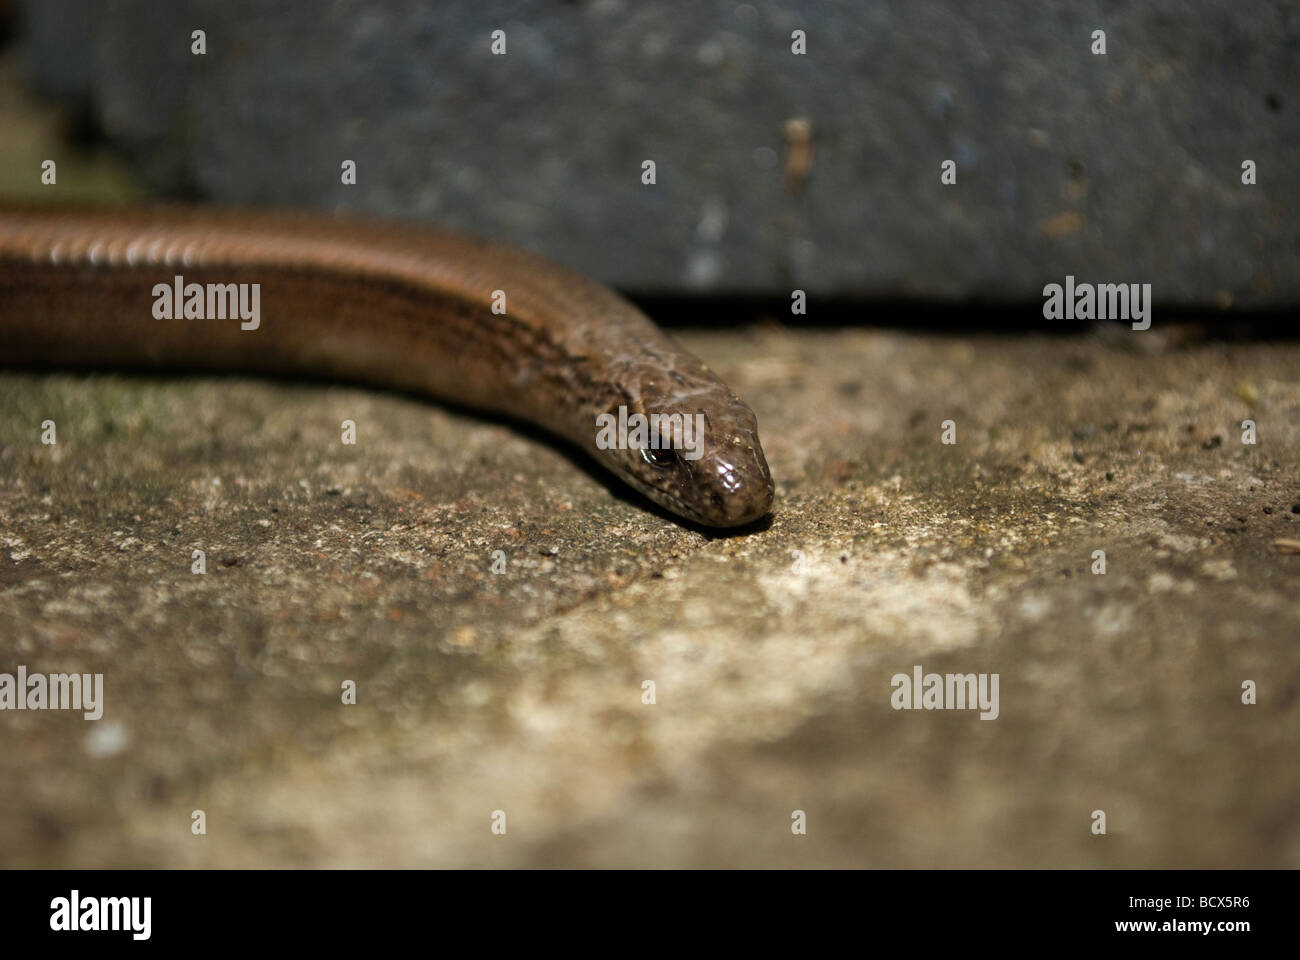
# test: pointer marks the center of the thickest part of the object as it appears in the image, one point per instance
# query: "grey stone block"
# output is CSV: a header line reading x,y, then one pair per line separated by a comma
x,y
1117,168
59,39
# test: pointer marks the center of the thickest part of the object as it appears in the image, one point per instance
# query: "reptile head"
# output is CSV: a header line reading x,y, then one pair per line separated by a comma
x,y
682,438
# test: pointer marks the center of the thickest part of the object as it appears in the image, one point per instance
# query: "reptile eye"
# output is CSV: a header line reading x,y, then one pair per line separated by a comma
x,y
662,459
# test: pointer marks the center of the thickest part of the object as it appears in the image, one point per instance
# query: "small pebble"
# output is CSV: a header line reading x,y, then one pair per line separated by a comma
x,y
107,739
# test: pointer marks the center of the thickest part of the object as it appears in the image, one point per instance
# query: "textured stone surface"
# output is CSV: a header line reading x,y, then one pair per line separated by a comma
x,y
522,691
1123,167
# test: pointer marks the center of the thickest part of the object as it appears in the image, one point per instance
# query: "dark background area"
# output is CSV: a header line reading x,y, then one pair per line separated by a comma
x,y
1124,167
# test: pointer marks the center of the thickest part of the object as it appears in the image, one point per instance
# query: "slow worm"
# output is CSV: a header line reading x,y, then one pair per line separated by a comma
x,y
389,305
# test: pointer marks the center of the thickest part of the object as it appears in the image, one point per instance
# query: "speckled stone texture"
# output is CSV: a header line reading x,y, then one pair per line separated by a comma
x,y
1117,168
522,691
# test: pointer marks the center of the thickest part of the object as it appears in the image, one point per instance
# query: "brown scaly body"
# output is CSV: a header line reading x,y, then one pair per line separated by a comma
x,y
385,304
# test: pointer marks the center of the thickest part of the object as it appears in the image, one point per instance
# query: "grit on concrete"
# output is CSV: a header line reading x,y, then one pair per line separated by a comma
x,y
522,691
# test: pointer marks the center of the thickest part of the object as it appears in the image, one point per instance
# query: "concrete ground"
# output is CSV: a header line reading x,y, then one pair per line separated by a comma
x,y
522,691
